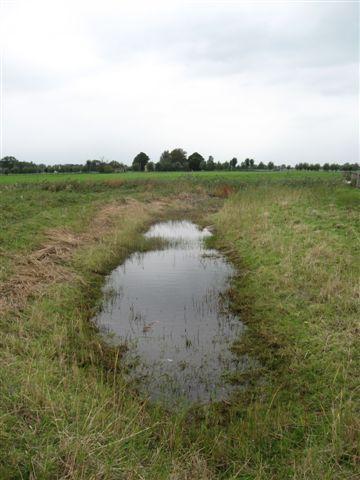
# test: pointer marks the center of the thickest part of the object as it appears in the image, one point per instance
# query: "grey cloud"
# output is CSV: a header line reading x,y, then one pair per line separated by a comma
x,y
278,82
235,39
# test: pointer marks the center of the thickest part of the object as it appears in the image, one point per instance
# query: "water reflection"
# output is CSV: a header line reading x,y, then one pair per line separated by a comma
x,y
167,305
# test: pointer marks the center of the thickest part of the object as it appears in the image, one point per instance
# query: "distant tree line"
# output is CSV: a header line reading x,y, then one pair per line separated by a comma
x,y
10,165
177,160
169,161
333,167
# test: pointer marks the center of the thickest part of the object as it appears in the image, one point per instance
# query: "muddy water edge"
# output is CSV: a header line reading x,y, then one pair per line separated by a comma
x,y
169,307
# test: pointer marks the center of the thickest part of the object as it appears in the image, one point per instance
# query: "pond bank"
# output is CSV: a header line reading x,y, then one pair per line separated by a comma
x,y
66,409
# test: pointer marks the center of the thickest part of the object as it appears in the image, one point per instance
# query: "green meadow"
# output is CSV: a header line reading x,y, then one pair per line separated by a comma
x,y
68,411
232,176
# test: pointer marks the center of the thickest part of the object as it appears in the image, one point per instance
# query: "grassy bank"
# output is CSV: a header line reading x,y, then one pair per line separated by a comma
x,y
66,410
297,250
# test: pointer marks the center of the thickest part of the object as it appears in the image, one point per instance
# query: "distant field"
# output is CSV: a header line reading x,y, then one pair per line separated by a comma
x,y
166,176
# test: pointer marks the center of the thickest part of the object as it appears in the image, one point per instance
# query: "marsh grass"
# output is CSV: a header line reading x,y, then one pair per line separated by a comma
x,y
66,408
299,293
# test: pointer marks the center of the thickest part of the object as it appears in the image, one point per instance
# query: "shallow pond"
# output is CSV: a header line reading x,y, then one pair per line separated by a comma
x,y
168,306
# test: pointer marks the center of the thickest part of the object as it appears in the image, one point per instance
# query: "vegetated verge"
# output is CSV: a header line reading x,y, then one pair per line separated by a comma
x,y
297,252
66,409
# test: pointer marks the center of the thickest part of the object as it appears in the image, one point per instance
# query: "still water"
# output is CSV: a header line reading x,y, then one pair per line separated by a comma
x,y
168,307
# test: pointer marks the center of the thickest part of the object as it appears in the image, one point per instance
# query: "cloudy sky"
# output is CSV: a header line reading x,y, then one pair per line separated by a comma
x,y
275,81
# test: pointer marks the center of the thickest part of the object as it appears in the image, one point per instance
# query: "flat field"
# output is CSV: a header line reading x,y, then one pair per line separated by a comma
x,y
235,176
66,408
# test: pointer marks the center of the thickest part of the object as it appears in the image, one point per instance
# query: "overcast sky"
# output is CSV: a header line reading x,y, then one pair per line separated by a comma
x,y
273,81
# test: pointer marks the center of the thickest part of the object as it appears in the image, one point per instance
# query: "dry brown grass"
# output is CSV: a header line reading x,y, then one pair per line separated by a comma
x,y
223,191
49,263
31,276
195,467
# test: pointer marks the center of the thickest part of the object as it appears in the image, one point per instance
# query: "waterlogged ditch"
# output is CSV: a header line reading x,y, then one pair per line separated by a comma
x,y
168,306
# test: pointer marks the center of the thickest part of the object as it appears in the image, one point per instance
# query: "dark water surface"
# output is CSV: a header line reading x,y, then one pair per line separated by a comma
x,y
167,306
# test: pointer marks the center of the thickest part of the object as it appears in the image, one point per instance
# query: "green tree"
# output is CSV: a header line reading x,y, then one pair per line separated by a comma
x,y
117,166
203,165
195,161
140,162
219,166
210,164
179,159
164,164
9,164
92,165
233,163
174,160
225,166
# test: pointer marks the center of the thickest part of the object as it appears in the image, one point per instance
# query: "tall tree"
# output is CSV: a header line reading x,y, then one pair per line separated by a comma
x,y
150,167
164,164
210,164
233,163
179,159
140,161
195,161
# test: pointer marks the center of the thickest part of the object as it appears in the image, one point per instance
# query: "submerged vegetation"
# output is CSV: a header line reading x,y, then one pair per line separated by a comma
x,y
66,409
167,306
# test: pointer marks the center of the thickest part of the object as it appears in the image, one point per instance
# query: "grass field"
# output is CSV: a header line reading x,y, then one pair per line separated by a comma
x,y
235,176
66,409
